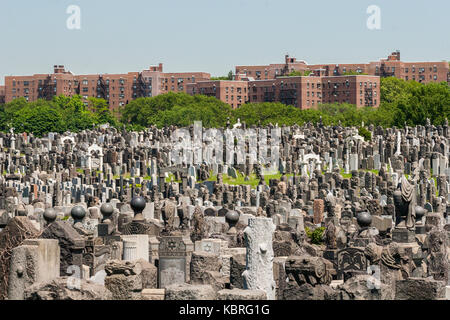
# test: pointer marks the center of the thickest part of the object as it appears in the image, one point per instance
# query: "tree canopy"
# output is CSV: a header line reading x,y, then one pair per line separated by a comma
x,y
58,115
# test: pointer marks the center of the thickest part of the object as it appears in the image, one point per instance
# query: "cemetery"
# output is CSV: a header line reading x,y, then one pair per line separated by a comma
x,y
326,214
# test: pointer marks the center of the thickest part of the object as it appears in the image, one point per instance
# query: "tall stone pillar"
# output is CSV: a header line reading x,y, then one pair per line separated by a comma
x,y
259,269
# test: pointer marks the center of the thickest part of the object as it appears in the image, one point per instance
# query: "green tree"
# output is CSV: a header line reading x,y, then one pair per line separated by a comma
x,y
101,111
39,118
176,109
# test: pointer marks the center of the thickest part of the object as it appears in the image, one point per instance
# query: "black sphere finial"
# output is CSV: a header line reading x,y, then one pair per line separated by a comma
x,y
138,204
364,219
49,215
232,217
107,210
78,213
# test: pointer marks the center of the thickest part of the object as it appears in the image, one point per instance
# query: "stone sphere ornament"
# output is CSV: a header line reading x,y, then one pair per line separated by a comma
x,y
232,218
364,219
138,205
107,210
50,215
78,213
420,212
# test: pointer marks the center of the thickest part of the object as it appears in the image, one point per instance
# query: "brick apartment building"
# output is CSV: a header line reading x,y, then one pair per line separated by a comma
x,y
327,83
307,92
302,92
40,85
117,89
233,92
423,72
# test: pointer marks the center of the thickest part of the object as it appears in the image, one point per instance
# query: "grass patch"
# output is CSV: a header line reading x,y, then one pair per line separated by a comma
x,y
240,180
170,178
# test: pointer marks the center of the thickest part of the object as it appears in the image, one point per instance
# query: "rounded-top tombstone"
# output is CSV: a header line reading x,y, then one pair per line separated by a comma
x,y
364,219
50,215
78,213
138,205
106,210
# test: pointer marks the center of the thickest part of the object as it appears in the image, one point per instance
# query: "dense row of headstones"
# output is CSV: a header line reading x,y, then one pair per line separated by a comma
x,y
346,215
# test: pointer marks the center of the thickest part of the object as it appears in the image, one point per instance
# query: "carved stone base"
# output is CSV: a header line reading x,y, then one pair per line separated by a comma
x,y
420,229
403,236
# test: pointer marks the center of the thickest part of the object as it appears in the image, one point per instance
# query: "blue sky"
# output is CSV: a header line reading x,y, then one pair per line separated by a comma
x,y
214,35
